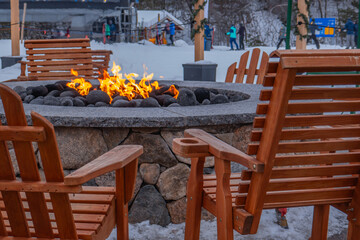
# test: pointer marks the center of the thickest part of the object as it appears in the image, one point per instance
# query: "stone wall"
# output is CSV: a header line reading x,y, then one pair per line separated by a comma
x,y
160,194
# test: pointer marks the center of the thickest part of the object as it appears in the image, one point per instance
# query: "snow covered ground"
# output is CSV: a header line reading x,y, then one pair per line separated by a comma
x,y
166,63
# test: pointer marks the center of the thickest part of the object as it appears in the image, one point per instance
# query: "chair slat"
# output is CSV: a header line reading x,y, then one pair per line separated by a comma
x,y
230,73
56,45
57,51
60,56
263,68
240,71
61,63
253,65
59,68
18,133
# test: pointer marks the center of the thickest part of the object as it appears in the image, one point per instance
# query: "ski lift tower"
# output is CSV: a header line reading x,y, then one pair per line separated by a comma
x,y
127,23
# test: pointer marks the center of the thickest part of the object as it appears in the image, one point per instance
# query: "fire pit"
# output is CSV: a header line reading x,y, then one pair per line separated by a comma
x,y
122,90
83,133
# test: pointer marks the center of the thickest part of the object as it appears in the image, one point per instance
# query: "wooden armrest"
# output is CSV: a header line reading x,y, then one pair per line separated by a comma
x,y
116,158
23,68
224,151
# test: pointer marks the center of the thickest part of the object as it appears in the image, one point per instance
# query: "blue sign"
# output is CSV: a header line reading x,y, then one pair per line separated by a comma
x,y
327,27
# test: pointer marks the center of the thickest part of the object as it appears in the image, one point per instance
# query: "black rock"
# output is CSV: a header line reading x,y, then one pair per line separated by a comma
x,y
70,92
54,93
119,98
161,98
77,102
66,101
235,97
82,99
23,95
206,102
39,91
62,83
101,104
161,90
220,98
97,96
19,89
29,98
91,105
52,87
137,102
29,90
149,102
174,105
208,171
51,100
186,97
169,101
214,91
38,100
202,94
123,103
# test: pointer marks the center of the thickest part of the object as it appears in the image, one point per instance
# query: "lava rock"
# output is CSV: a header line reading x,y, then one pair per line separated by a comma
x,y
174,105
19,89
29,90
101,104
70,93
214,91
235,97
52,87
161,98
82,99
202,94
220,98
23,95
137,102
123,103
161,90
97,96
119,98
66,101
78,103
206,102
39,91
29,98
186,97
51,100
38,100
62,83
169,101
54,93
149,102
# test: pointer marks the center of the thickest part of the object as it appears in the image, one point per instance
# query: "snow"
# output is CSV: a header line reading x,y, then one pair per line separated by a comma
x,y
166,63
299,220
149,18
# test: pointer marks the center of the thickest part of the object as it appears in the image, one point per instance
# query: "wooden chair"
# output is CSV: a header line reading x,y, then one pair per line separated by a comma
x,y
292,163
250,72
58,207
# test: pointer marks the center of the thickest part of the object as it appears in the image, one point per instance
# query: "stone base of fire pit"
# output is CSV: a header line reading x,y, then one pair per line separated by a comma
x,y
160,195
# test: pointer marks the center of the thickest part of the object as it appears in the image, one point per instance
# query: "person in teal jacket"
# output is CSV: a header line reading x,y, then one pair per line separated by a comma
x,y
232,34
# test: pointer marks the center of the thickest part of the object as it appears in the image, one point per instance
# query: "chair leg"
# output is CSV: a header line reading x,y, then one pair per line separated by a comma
x,y
353,231
121,207
194,199
320,222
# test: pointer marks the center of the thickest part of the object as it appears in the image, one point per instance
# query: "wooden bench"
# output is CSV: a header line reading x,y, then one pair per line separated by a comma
x,y
250,72
290,163
58,207
53,59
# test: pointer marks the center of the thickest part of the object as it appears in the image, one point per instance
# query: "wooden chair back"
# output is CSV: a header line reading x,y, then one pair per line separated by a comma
x,y
100,59
25,210
53,59
303,165
252,71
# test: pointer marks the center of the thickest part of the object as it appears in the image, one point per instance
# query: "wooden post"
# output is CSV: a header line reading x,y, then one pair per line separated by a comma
x,y
199,37
23,22
15,31
301,44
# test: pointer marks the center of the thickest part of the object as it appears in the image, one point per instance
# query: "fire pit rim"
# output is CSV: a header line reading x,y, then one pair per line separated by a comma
x,y
241,112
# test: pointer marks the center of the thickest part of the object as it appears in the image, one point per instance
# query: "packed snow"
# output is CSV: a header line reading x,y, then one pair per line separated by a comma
x,y
166,63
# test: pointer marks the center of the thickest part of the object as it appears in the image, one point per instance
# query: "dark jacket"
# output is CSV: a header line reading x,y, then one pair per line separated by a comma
x,y
313,27
242,30
349,27
208,31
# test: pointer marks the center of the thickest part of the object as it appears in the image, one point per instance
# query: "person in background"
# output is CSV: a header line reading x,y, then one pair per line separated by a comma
x,y
282,36
208,33
112,31
172,32
158,33
107,32
312,28
232,33
349,28
242,33
355,33
167,33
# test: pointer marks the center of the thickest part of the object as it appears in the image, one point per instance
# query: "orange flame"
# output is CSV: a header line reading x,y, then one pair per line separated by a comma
x,y
122,84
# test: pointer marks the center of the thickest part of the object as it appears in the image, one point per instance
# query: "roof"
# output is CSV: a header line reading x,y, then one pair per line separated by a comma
x,y
149,18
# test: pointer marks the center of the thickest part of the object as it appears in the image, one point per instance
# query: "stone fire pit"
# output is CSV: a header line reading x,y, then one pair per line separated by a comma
x,y
85,133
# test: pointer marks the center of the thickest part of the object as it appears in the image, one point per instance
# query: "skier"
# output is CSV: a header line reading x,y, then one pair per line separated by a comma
x,y
107,32
350,29
232,34
312,28
208,34
242,32
282,36
112,31
172,32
